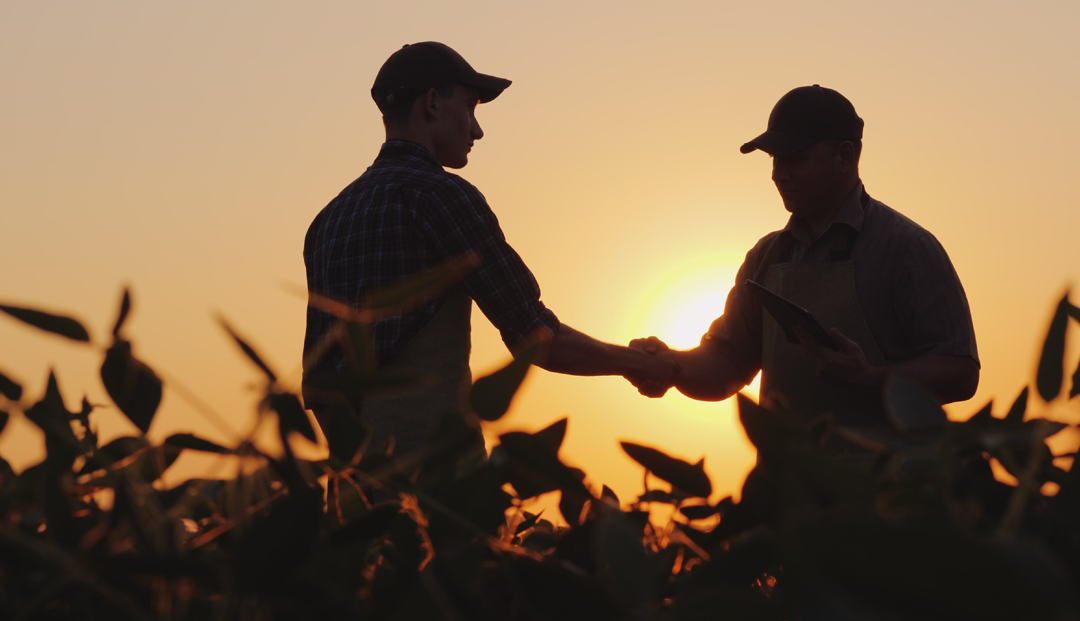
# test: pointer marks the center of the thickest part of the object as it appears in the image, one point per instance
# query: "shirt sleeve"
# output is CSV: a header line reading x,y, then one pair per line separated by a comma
x,y
502,285
737,333
931,304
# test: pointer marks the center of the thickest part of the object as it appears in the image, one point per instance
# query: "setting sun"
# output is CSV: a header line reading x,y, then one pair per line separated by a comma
x,y
679,309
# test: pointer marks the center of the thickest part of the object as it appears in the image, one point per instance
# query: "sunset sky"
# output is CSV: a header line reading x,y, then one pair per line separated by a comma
x,y
182,148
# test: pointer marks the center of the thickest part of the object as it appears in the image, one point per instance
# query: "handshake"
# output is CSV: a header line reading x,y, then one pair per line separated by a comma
x,y
655,367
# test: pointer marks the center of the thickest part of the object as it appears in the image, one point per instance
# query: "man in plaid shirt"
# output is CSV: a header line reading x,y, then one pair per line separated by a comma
x,y
406,214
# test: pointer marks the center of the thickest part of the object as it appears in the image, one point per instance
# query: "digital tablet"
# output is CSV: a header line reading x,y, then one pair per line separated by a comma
x,y
789,314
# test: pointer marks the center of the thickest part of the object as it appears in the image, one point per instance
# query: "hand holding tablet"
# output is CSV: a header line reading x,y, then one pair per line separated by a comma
x,y
789,314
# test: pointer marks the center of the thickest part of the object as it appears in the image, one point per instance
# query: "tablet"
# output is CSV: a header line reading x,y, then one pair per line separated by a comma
x,y
789,314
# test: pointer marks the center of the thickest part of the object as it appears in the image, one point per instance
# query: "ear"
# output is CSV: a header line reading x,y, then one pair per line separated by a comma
x,y
846,157
429,104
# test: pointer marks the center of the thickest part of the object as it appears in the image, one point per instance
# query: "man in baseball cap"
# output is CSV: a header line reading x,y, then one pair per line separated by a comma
x,y
882,287
406,214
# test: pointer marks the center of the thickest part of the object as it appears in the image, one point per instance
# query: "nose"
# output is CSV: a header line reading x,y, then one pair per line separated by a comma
x,y
779,170
476,132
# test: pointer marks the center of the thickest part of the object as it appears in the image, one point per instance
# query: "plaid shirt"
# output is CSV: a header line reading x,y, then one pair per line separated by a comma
x,y
404,215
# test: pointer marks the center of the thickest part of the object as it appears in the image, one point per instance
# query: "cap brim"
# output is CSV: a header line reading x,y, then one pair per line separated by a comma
x,y
776,142
488,86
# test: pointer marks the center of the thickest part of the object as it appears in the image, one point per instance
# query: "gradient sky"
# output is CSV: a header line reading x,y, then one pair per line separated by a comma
x,y
183,148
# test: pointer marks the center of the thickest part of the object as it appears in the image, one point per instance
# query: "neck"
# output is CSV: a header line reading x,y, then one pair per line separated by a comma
x,y
824,218
407,133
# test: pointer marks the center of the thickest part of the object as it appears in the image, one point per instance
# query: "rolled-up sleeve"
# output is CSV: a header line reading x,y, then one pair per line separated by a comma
x,y
736,334
502,285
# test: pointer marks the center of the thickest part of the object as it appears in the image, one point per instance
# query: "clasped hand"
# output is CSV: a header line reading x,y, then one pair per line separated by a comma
x,y
661,361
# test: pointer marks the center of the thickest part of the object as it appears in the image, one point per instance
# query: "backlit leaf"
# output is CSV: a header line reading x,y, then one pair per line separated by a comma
x,y
532,461
699,512
1051,373
985,415
195,443
657,495
248,351
1075,390
52,416
133,386
1018,409
911,407
125,308
528,522
57,324
608,495
9,388
291,415
491,395
682,475
416,290
553,434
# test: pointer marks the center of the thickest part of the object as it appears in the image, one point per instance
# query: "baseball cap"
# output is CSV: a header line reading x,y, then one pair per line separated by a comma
x,y
805,115
416,68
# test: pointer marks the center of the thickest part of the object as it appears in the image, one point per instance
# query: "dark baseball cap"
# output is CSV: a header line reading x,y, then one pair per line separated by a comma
x,y
416,68
805,115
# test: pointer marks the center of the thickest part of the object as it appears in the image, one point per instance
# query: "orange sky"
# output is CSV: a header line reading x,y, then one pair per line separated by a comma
x,y
183,148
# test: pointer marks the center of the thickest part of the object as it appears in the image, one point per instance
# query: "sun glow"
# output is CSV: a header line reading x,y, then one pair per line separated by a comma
x,y
679,309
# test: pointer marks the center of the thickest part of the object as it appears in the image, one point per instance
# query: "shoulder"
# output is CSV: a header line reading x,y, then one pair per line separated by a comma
x,y
884,221
912,246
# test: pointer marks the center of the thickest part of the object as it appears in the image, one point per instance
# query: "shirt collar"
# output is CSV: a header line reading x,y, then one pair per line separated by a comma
x,y
852,214
396,147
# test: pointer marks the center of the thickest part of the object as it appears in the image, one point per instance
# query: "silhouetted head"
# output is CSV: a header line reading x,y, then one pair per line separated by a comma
x,y
428,94
815,139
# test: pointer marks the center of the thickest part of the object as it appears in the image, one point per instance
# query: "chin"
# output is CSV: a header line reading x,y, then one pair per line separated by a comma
x,y
457,163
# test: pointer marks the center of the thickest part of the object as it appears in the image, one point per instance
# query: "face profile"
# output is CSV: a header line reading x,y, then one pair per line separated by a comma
x,y
455,127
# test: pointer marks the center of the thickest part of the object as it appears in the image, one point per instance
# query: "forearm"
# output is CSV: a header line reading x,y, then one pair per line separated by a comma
x,y
574,353
706,375
949,378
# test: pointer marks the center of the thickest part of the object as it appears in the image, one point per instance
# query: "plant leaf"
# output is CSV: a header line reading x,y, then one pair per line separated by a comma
x,y
528,522
682,475
50,414
985,415
911,407
608,495
621,562
1051,373
699,512
248,351
1075,390
9,388
125,308
133,386
491,395
416,290
57,324
1019,407
346,433
291,415
195,443
553,434
531,461
657,495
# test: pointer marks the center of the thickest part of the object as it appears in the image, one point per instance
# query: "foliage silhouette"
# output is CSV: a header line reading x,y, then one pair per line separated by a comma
x,y
911,524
